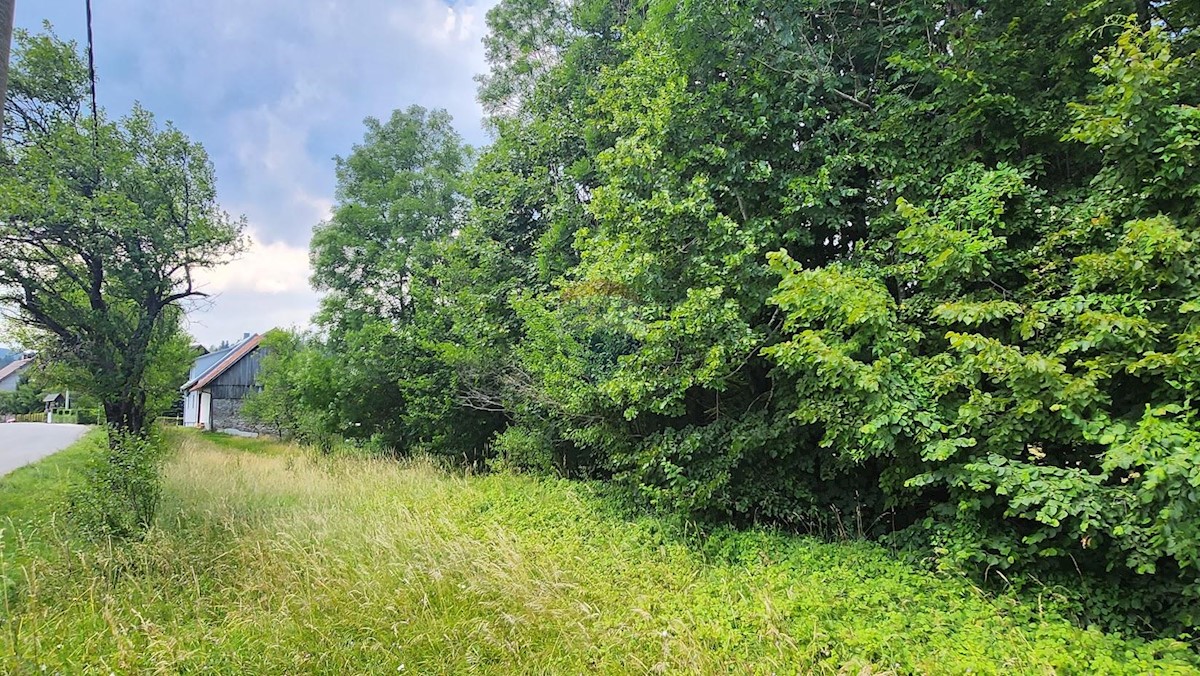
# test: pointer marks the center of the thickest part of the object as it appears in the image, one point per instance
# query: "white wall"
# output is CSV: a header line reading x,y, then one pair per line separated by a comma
x,y
194,405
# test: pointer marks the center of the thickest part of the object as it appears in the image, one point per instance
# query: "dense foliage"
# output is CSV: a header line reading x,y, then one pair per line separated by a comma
x,y
914,270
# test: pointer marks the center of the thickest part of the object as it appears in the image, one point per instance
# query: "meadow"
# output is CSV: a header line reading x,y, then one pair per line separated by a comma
x,y
266,558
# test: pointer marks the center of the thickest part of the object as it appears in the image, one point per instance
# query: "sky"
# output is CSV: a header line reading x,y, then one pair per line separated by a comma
x,y
274,89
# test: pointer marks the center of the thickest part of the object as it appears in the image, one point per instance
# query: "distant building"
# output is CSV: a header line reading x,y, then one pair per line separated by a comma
x,y
218,385
10,374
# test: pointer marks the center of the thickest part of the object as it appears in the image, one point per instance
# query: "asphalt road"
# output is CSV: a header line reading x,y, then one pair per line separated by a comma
x,y
23,443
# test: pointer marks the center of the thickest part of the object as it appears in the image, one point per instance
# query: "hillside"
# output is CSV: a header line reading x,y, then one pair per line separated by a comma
x,y
267,560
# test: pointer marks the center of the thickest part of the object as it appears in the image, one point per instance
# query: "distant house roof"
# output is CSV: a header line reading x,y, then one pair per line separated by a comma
x,y
205,362
53,396
223,361
9,370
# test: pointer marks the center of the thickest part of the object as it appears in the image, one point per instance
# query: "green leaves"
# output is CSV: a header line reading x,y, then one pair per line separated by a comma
x,y
398,193
1022,356
1144,119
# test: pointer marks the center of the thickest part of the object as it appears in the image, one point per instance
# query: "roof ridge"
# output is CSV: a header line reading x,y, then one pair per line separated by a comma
x,y
236,354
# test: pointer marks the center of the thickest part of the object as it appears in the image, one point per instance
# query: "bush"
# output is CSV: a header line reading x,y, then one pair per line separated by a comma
x,y
523,448
120,490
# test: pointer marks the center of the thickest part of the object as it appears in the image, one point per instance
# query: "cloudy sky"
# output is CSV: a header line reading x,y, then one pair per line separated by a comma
x,y
274,89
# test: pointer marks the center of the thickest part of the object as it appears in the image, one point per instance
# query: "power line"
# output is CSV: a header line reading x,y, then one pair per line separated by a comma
x,y
91,56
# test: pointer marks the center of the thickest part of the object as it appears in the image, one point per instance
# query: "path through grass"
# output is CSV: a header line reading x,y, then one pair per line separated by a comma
x,y
267,560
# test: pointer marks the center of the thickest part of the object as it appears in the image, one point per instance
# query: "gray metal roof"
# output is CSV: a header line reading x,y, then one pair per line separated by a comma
x,y
206,363
13,368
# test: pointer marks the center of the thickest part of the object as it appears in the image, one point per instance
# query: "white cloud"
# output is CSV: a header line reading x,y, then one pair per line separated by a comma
x,y
232,314
264,288
459,27
265,267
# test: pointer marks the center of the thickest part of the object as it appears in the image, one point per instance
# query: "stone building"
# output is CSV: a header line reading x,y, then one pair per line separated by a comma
x,y
218,385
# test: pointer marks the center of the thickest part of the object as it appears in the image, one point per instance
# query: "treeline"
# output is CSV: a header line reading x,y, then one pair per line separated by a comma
x,y
923,271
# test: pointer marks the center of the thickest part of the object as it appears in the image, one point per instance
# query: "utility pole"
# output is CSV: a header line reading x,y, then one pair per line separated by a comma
x,y
6,30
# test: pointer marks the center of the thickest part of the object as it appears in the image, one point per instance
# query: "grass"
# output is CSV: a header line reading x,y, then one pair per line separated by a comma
x,y
275,561
260,445
32,497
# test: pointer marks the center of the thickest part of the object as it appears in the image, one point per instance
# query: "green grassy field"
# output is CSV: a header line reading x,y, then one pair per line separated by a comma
x,y
269,560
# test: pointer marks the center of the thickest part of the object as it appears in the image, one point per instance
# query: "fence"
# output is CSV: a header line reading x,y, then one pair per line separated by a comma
x,y
66,416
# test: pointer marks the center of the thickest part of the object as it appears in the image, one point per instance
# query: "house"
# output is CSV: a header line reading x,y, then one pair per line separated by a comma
x,y
218,384
10,374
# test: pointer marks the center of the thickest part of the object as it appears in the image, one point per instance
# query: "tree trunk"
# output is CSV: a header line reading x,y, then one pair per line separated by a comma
x,y
128,416
6,30
1144,16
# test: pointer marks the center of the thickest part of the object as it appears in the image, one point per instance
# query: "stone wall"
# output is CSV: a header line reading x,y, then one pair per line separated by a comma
x,y
227,414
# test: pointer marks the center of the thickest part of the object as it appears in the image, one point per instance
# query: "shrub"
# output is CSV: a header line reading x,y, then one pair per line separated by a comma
x,y
523,448
119,494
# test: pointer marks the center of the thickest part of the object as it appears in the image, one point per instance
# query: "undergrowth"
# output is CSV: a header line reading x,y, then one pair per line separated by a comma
x,y
278,561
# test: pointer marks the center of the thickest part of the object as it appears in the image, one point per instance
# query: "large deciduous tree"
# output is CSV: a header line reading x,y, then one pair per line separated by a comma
x,y
400,196
398,191
102,227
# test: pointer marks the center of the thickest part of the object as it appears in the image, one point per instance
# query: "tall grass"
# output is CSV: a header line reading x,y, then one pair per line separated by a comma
x,y
274,561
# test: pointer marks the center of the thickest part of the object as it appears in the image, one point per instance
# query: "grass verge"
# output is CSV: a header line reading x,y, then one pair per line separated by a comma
x,y
279,562
32,497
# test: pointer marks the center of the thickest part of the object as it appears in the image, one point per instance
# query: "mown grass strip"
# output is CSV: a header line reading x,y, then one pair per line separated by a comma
x,y
33,497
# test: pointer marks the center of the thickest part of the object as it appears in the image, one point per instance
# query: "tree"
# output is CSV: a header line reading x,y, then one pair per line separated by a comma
x,y
102,227
278,402
398,193
27,398
400,198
